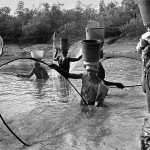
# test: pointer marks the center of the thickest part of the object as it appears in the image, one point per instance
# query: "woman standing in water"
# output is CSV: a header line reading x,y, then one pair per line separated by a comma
x,y
144,47
64,61
93,89
39,71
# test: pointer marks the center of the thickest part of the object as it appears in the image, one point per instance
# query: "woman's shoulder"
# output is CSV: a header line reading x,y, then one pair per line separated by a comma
x,y
102,86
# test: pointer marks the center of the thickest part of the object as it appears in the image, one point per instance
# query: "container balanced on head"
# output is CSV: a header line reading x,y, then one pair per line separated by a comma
x,y
93,89
97,33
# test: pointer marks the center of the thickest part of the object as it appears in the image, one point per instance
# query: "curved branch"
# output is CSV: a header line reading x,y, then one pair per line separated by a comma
x,y
12,131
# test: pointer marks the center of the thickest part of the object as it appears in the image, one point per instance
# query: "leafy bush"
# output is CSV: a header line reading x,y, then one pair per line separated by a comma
x,y
134,28
112,31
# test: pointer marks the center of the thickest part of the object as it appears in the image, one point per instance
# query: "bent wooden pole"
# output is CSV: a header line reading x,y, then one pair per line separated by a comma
x,y
12,131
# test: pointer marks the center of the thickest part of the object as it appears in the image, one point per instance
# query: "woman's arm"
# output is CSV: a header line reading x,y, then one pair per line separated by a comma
x,y
55,58
65,73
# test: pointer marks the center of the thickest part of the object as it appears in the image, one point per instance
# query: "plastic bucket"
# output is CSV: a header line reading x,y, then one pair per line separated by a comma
x,y
144,6
91,50
37,53
95,33
64,45
101,54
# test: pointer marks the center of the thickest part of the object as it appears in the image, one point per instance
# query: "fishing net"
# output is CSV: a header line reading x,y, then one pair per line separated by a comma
x,y
19,96
69,31
33,105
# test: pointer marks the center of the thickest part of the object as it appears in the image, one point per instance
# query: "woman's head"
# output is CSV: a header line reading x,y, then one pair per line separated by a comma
x,y
91,73
37,64
92,70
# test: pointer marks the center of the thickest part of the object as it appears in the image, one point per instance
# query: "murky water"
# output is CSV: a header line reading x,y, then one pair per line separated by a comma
x,y
47,115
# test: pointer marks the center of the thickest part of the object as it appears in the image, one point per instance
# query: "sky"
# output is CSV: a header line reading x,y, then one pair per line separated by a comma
x,y
68,4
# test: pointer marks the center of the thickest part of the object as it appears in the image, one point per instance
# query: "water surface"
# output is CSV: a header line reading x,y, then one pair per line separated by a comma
x,y
47,114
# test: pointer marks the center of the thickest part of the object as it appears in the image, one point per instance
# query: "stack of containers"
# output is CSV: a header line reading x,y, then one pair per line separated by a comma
x,y
92,46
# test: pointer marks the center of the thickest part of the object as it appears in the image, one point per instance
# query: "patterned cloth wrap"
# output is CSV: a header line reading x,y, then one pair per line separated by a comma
x,y
145,136
91,65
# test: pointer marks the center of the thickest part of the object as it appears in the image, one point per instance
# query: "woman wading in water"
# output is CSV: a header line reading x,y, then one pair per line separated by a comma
x,y
143,48
64,60
93,89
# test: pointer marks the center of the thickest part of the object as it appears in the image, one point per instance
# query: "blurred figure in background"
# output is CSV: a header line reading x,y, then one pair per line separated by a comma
x,y
39,71
64,61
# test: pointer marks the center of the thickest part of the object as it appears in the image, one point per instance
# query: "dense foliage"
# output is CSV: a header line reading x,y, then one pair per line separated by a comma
x,y
38,24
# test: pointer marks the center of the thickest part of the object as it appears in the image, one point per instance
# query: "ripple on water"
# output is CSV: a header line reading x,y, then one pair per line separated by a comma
x,y
48,116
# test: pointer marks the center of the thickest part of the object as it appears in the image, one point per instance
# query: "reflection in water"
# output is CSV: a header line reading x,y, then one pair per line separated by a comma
x,y
62,88
39,88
